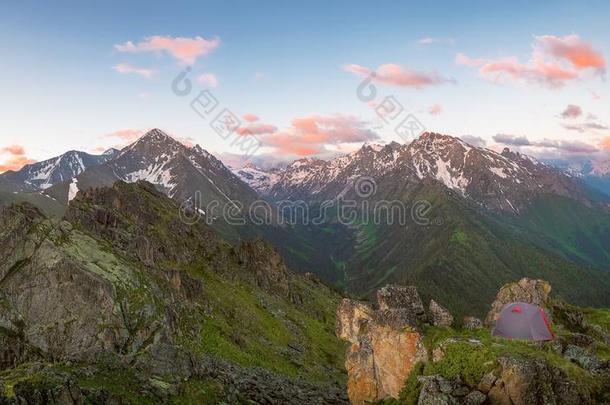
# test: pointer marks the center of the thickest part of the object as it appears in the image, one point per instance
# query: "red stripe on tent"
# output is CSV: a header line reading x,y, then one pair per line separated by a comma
x,y
546,322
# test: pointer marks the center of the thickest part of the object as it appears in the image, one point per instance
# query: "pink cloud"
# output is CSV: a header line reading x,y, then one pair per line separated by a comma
x,y
571,48
572,111
435,109
185,50
309,135
208,79
16,160
257,129
554,62
396,75
125,68
250,117
13,150
127,135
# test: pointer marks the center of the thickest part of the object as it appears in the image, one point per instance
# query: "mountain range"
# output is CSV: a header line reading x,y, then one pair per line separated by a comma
x,y
472,218
594,172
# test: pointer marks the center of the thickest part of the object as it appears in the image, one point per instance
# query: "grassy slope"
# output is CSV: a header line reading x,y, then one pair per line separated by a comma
x,y
572,230
463,261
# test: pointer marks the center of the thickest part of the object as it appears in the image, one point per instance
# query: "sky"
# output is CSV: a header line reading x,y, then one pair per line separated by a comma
x,y
297,76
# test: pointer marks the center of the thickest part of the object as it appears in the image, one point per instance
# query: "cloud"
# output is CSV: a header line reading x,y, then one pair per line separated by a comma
x,y
257,129
128,135
250,117
605,143
185,50
558,145
567,146
259,76
208,79
435,109
474,140
16,150
125,68
572,49
396,75
433,41
584,127
572,111
514,140
310,135
554,62
594,95
16,158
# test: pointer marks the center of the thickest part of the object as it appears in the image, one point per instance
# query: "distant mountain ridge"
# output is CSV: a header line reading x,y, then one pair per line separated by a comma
x,y
594,172
504,181
42,175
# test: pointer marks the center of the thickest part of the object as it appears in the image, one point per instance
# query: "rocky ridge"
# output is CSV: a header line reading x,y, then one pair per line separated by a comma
x,y
121,283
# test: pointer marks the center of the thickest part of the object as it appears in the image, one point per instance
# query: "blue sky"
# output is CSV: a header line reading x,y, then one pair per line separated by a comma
x,y
283,61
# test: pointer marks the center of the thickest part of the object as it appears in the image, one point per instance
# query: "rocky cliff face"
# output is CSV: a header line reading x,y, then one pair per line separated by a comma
x,y
385,343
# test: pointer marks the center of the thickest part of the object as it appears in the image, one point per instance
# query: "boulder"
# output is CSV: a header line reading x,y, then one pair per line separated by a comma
x,y
527,381
472,323
385,343
352,318
435,390
487,382
474,398
525,290
403,297
439,316
582,357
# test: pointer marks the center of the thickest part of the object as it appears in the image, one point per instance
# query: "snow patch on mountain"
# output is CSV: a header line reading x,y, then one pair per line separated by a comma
x,y
72,189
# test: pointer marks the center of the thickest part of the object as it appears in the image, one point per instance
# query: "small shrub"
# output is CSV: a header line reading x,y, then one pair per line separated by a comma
x,y
463,360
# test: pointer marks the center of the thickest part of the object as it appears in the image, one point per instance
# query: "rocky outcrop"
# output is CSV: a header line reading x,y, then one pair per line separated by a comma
x,y
66,299
439,316
472,323
584,358
525,381
516,381
525,290
385,343
265,266
122,280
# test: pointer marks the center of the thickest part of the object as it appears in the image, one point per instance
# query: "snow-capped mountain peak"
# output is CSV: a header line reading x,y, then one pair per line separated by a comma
x,y
503,181
42,175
